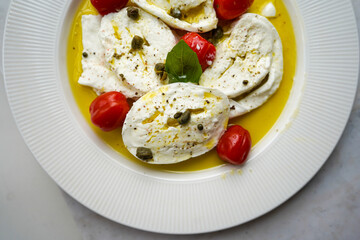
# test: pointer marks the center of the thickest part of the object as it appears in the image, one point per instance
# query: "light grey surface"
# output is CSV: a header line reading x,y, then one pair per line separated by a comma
x,y
31,204
32,207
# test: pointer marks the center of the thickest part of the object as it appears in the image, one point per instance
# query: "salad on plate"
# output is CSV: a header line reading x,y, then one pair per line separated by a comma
x,y
172,80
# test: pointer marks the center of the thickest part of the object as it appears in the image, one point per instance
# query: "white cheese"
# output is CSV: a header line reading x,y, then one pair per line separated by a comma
x,y
198,15
260,95
150,123
244,61
136,67
96,73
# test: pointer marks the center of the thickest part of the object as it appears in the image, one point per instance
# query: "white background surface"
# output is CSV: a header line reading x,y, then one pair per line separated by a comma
x,y
33,207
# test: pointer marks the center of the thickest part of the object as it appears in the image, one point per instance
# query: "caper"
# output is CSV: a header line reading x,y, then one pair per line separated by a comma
x,y
159,68
144,154
176,13
200,127
177,115
85,55
217,33
133,13
137,42
185,117
245,82
163,76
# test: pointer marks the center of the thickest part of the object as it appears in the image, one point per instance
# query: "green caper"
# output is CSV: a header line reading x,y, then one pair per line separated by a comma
x,y
85,55
185,117
163,76
144,154
137,42
200,127
176,13
177,115
133,13
159,68
217,33
245,82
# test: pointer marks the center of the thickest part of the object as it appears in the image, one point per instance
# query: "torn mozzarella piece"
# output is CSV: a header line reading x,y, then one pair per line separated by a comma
x,y
96,73
151,124
136,67
259,96
197,15
248,65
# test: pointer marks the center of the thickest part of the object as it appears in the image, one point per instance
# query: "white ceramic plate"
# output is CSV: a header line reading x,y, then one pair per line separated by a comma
x,y
283,162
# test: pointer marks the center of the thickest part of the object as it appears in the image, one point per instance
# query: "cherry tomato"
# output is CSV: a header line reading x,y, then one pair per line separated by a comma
x,y
107,6
234,146
205,51
108,111
230,9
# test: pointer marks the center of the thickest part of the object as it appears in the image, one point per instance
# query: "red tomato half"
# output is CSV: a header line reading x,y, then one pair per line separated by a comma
x,y
107,6
108,111
234,146
204,50
230,9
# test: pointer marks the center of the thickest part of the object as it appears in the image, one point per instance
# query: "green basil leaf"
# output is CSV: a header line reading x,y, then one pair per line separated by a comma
x,y
182,64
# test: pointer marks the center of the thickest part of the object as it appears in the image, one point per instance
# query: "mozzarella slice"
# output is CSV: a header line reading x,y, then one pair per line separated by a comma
x,y
260,95
96,73
150,122
185,5
136,67
248,65
242,60
197,15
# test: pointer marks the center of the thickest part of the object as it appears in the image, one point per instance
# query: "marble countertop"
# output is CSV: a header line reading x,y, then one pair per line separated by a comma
x,y
33,207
